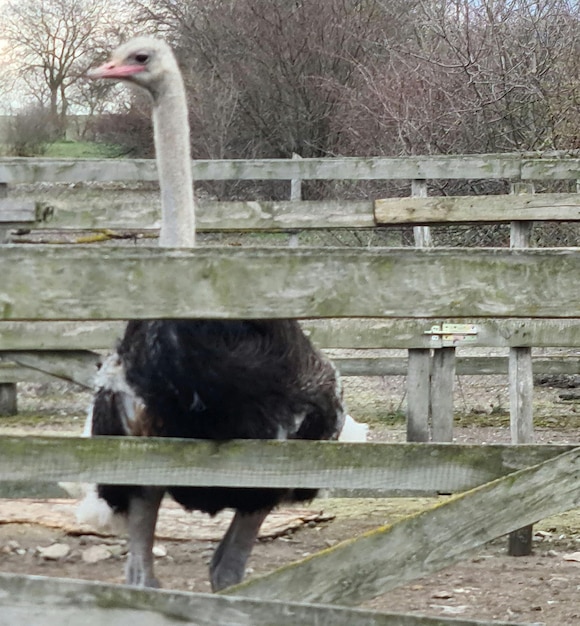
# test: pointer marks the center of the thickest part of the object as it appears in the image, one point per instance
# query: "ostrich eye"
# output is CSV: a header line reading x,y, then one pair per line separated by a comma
x,y
142,58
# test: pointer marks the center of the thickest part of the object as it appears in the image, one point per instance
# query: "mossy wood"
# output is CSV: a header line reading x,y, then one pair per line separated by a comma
x,y
69,283
43,601
140,210
26,170
397,469
478,209
332,333
417,546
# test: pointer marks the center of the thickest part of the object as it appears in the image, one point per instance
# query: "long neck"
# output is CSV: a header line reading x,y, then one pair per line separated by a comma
x,y
171,131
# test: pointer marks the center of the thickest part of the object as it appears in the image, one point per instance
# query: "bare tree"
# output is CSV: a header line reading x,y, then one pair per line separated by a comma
x,y
276,69
50,44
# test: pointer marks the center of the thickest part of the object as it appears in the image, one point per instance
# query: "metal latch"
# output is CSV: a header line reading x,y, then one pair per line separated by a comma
x,y
449,335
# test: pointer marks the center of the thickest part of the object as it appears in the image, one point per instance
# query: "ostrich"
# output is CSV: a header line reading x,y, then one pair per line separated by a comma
x,y
202,379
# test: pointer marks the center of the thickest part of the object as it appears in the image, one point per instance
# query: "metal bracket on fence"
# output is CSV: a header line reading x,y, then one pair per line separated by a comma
x,y
450,335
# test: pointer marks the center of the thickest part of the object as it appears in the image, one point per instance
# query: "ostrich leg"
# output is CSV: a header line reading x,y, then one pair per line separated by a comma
x,y
141,520
228,563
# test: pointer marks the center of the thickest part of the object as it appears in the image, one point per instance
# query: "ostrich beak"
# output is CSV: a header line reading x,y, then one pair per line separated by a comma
x,y
112,69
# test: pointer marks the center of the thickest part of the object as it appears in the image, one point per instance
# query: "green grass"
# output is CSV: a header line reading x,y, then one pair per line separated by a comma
x,y
82,150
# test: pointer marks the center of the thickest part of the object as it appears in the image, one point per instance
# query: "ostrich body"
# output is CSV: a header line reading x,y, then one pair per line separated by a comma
x,y
206,379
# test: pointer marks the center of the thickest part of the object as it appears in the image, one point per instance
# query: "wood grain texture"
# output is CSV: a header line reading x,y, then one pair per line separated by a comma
x,y
390,556
69,283
30,170
140,210
395,469
326,333
478,209
41,601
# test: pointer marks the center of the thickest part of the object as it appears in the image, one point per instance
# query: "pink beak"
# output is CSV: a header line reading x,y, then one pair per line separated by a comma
x,y
112,70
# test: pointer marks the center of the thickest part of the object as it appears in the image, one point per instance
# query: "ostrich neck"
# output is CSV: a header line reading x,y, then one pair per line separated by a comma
x,y
171,132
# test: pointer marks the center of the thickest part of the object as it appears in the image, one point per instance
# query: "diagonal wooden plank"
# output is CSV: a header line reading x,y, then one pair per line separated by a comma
x,y
41,601
362,568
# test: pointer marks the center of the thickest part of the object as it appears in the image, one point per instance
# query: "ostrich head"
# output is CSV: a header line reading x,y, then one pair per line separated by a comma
x,y
143,61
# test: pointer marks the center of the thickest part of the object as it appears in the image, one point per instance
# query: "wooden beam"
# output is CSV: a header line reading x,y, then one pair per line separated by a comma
x,y
521,378
55,366
79,366
328,333
69,283
419,545
395,469
484,166
16,212
478,209
43,601
139,210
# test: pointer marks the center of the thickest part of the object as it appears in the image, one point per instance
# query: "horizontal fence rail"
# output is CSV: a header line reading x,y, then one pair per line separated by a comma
x,y
388,469
42,601
335,333
526,166
69,283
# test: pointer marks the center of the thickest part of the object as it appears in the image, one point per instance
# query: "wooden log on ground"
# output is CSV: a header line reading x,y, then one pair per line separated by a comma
x,y
391,556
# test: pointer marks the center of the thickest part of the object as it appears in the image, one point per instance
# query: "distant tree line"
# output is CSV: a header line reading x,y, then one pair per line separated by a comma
x,y
270,78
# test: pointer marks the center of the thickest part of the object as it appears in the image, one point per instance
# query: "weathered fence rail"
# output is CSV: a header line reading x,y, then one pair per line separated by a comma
x,y
521,298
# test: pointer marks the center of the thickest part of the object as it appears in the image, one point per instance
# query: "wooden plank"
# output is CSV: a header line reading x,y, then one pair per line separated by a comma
x,y
78,366
521,379
464,366
68,283
546,168
442,380
420,545
333,333
395,469
418,395
478,209
419,363
83,372
43,601
139,210
59,335
17,212
28,170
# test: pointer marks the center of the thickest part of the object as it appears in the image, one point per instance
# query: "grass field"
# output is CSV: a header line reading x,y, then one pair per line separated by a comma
x,y
82,150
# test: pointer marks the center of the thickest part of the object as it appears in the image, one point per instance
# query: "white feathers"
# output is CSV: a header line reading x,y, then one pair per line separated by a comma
x,y
95,512
353,430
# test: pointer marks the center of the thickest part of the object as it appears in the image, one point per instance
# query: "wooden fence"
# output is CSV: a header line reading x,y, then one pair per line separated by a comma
x,y
400,297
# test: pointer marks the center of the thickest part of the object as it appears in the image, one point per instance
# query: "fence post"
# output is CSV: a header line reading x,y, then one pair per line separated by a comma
x,y
521,383
295,196
8,399
442,379
419,366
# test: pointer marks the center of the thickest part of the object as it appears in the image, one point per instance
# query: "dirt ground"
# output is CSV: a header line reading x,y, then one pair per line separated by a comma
x,y
541,589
